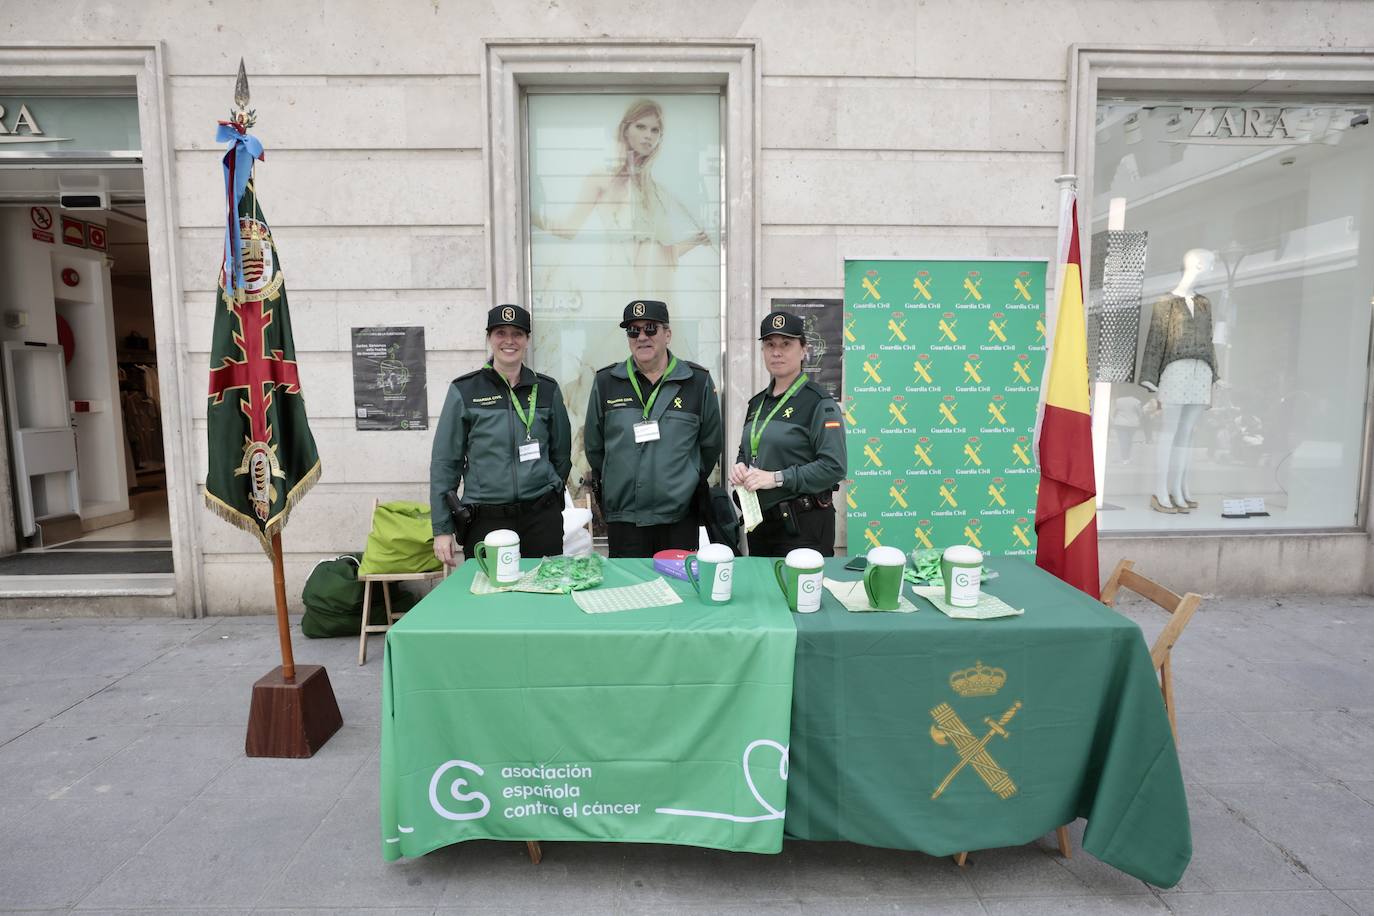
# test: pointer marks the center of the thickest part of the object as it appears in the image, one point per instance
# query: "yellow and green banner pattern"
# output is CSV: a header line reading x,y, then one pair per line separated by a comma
x,y
942,370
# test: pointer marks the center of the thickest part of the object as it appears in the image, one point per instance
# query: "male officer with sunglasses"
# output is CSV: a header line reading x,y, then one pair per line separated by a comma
x,y
653,430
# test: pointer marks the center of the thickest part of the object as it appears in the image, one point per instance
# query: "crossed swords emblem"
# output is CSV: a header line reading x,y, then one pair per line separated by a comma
x,y
972,285
920,369
1022,288
870,288
971,372
896,327
897,413
947,329
997,329
1020,369
973,751
1020,534
921,287
898,495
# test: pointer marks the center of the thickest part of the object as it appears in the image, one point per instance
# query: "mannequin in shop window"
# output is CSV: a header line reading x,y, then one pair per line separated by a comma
x,y
1180,366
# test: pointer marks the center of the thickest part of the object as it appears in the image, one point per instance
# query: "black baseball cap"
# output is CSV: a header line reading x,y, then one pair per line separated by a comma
x,y
645,310
512,315
784,323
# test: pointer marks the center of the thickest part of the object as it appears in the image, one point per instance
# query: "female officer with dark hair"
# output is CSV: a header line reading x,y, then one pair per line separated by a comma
x,y
504,434
792,451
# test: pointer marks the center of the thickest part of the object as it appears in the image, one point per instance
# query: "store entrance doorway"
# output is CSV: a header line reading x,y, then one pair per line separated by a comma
x,y
83,398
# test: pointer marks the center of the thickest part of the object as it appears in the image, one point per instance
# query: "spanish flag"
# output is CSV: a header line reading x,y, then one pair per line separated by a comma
x,y
1065,508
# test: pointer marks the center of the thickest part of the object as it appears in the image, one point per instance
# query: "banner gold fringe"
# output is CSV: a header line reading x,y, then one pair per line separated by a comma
x,y
274,524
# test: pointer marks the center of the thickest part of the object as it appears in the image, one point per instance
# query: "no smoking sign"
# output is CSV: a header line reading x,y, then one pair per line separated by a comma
x,y
41,217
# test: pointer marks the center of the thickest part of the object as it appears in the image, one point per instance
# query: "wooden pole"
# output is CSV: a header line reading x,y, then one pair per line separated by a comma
x,y
288,663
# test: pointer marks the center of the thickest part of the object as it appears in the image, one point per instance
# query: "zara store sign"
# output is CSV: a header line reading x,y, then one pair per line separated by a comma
x,y
1265,125
22,127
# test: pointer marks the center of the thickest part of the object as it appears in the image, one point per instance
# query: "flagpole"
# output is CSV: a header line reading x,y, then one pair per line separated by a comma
x,y
288,661
292,713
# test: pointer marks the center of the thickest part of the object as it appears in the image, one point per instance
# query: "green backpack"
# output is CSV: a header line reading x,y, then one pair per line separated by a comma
x,y
333,599
401,540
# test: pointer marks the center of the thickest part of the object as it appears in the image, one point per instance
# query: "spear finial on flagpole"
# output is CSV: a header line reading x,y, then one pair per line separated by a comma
x,y
241,115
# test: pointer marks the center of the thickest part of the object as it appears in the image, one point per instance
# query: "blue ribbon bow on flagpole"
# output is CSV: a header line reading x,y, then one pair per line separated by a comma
x,y
238,168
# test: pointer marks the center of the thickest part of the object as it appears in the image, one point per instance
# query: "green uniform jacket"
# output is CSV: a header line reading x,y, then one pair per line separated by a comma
x,y
652,483
804,440
479,437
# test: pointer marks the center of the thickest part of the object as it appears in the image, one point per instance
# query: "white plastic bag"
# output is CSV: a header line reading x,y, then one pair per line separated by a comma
x,y
577,540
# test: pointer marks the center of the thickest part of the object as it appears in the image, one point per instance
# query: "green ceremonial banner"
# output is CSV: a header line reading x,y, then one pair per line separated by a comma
x,y
942,379
262,453
520,717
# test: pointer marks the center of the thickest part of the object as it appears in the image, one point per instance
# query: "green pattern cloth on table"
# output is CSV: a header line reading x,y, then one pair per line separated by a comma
x,y
1057,712
654,593
519,717
989,606
853,596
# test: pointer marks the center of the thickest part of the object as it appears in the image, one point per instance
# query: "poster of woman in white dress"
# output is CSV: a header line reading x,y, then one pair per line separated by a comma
x,y
625,203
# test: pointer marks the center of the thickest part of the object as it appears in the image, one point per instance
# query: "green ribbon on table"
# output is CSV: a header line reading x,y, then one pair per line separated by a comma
x,y
924,568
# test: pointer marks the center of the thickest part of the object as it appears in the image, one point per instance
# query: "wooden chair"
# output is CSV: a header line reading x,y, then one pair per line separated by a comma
x,y
1180,610
385,580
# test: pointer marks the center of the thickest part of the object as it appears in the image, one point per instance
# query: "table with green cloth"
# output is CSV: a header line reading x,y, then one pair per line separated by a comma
x,y
918,731
518,716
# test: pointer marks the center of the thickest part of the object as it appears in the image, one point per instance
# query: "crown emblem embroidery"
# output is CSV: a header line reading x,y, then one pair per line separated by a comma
x,y
978,681
639,309
508,314
778,321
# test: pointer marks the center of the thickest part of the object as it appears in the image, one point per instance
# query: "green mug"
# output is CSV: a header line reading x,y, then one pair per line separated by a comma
x,y
883,577
961,567
799,576
713,565
498,554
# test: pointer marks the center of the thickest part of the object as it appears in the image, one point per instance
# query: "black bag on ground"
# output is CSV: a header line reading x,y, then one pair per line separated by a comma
x,y
333,599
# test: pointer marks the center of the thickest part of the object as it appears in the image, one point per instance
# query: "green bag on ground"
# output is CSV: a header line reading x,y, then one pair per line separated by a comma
x,y
401,540
333,599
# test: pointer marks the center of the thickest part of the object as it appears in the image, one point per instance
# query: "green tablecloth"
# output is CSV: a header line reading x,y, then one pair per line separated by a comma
x,y
1065,695
519,717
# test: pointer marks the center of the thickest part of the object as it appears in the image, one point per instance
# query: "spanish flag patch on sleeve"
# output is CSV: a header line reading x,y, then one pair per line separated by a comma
x,y
832,424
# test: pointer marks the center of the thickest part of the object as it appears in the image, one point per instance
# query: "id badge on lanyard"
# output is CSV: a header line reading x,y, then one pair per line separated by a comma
x,y
646,431
529,451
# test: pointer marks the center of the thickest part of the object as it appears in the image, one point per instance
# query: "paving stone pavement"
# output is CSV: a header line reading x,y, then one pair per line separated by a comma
x,y
124,789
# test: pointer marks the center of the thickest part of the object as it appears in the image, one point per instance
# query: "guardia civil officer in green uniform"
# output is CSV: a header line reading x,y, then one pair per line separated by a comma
x,y
792,451
653,431
504,434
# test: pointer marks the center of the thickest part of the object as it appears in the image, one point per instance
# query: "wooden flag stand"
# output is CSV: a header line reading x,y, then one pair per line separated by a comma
x,y
293,713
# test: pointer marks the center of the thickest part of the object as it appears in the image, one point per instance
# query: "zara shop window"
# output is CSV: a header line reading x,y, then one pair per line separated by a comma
x,y
1229,311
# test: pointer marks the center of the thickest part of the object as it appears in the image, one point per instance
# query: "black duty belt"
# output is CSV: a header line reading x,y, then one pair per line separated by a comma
x,y
512,510
797,505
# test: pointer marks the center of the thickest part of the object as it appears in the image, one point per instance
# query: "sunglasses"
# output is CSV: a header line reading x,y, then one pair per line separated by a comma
x,y
650,329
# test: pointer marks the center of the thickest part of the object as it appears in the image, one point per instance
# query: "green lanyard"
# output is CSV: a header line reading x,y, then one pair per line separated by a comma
x,y
519,411
653,395
756,431
528,420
